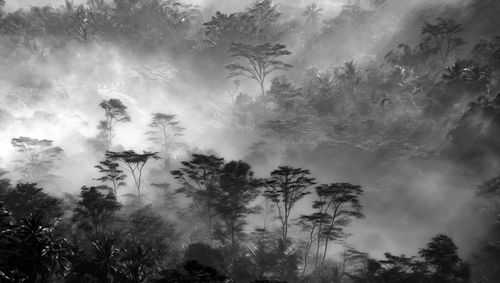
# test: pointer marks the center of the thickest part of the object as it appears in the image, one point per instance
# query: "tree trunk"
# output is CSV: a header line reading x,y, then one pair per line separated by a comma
x,y
209,223
262,88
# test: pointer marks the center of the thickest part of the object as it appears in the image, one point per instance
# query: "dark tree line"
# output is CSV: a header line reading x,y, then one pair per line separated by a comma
x,y
390,105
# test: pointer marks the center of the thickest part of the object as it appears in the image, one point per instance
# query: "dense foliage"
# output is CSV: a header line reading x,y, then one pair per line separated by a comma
x,y
195,216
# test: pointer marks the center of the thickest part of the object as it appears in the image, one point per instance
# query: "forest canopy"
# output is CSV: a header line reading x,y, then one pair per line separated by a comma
x,y
253,141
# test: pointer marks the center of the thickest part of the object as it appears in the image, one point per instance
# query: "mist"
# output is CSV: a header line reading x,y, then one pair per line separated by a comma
x,y
368,99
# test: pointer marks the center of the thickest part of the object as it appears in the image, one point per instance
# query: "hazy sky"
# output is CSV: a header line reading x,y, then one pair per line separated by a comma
x,y
401,201
16,4
227,6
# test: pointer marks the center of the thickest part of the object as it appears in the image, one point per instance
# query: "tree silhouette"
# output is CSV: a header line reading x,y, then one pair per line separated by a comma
x,y
199,179
106,259
115,113
399,269
28,198
111,173
285,188
133,162
262,59
165,128
259,23
438,263
95,210
353,263
312,225
338,203
442,37
35,254
148,228
237,190
138,262
441,256
39,158
264,16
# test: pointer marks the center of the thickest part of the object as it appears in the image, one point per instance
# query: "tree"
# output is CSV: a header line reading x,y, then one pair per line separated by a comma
x,y
7,225
95,210
237,190
39,158
438,263
442,258
285,188
264,16
111,173
262,59
106,259
288,133
28,198
138,262
259,23
353,263
338,203
115,113
442,38
310,225
165,128
147,227
34,253
199,180
312,13
134,162
395,269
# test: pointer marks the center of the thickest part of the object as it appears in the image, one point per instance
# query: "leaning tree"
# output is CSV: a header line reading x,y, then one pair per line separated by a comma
x,y
336,206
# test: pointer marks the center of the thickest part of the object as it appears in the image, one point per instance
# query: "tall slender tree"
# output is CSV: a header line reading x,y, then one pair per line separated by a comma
x,y
199,179
115,112
237,190
164,129
111,173
339,203
285,188
311,225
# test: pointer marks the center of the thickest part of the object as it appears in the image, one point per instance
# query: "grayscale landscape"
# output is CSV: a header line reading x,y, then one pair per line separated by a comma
x,y
344,141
